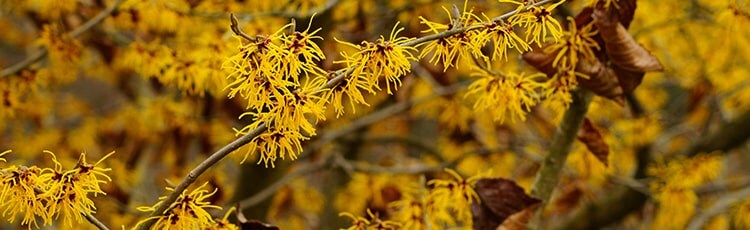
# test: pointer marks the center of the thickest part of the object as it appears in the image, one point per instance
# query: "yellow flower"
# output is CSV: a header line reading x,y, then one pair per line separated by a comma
x,y
577,43
387,58
503,37
275,143
449,50
372,221
223,223
22,194
187,212
504,96
69,189
455,194
539,22
351,86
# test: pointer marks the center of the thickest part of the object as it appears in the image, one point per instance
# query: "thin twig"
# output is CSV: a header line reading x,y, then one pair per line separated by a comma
x,y
720,206
198,170
42,52
96,222
270,190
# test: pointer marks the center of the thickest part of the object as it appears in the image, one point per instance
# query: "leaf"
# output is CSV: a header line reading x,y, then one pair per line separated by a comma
x,y
621,48
501,199
252,224
602,81
594,141
519,220
541,61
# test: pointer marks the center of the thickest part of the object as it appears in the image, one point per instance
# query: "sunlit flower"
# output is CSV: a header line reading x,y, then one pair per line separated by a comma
x,y
503,37
539,22
449,50
69,190
455,194
383,58
224,223
187,212
576,44
22,194
352,86
372,221
506,95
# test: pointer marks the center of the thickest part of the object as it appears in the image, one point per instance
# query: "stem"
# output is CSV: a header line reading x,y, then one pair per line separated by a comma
x,y
198,170
75,33
96,222
549,174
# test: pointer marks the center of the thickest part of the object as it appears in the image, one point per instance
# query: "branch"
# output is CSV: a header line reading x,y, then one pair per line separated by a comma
x,y
339,76
198,170
270,190
549,174
728,136
720,206
75,33
91,218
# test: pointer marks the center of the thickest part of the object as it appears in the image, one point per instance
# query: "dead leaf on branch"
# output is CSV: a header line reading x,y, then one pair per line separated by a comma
x,y
621,47
504,205
245,224
594,141
629,60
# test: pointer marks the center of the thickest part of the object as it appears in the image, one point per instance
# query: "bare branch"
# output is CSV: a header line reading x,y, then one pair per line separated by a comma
x,y
42,52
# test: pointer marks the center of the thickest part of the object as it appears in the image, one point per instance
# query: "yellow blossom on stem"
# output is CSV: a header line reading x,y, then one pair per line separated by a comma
x,y
187,212
22,194
449,50
224,223
372,221
503,37
387,58
455,194
577,43
69,189
506,95
539,22
351,86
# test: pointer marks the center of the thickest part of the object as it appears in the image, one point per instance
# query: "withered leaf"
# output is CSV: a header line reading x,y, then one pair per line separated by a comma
x,y
622,49
252,224
602,81
500,199
594,141
541,61
519,220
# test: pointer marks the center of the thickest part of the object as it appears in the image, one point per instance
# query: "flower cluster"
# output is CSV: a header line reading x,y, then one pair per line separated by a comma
x,y
189,211
506,95
278,77
446,203
389,59
51,193
674,188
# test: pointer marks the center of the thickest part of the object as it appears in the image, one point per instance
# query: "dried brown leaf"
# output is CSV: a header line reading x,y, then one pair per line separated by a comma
x,y
500,200
245,224
519,220
621,48
602,81
541,61
594,141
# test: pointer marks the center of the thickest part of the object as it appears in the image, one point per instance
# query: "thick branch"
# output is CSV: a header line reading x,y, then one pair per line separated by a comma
x,y
549,174
75,33
728,136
